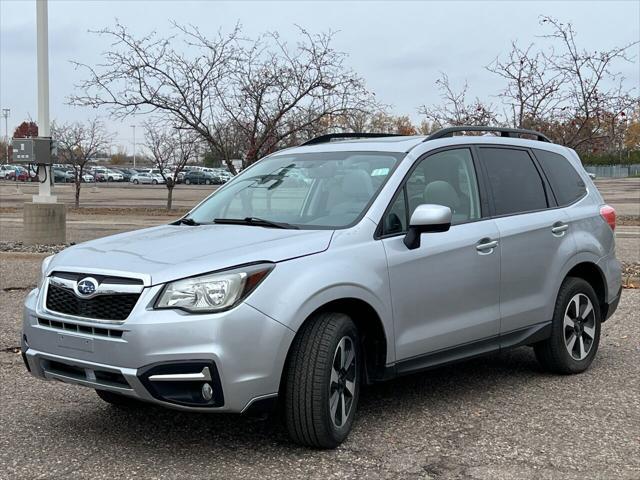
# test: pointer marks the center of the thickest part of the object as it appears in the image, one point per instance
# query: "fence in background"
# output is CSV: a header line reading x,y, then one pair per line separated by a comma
x,y
614,171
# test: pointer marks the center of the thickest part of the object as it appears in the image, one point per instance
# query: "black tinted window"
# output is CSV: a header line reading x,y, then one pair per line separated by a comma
x,y
566,183
514,180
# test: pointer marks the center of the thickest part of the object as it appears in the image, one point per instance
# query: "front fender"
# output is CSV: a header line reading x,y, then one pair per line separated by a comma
x,y
296,288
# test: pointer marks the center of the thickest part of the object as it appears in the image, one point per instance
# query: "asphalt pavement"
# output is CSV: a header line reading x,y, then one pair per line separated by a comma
x,y
497,417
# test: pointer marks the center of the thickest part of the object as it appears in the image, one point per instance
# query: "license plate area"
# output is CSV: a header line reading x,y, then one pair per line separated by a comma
x,y
74,342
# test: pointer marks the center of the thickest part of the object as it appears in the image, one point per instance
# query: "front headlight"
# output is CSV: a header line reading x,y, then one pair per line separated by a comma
x,y
213,292
43,269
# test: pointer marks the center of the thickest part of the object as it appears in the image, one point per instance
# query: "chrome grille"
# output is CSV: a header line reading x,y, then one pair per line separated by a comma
x,y
113,300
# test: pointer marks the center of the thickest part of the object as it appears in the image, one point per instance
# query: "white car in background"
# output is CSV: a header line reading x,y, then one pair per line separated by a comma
x,y
7,171
102,174
88,178
223,174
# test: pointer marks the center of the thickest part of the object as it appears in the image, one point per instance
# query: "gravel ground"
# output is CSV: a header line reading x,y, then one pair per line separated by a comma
x,y
497,417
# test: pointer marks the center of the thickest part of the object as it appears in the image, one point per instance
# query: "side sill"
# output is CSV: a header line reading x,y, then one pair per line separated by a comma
x,y
503,342
525,336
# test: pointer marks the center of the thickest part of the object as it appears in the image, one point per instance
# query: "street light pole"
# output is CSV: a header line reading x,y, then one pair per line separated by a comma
x,y
5,114
45,191
134,145
44,219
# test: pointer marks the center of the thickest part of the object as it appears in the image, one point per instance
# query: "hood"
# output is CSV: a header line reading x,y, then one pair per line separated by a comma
x,y
169,252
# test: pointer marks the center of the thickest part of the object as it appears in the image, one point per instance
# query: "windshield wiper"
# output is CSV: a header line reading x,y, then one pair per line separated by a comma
x,y
186,221
258,222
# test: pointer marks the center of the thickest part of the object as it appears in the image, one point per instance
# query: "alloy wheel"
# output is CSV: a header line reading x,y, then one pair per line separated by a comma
x,y
579,326
342,385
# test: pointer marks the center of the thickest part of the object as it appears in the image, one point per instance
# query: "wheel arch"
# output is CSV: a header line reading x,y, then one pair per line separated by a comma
x,y
591,273
370,326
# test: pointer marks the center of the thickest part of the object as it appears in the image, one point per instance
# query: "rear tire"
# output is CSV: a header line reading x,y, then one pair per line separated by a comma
x,y
117,400
322,381
575,333
187,182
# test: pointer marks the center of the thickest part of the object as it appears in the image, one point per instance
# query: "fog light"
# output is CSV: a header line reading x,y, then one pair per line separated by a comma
x,y
207,392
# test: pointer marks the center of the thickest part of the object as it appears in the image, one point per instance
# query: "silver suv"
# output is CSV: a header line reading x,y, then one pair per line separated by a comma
x,y
331,265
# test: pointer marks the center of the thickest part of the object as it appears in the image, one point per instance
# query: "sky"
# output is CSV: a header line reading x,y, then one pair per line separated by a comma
x,y
399,47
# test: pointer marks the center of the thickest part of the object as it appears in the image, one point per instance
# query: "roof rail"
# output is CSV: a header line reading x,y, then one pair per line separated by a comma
x,y
504,132
331,136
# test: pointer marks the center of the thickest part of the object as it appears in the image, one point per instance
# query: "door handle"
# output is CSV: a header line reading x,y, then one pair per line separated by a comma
x,y
559,228
486,246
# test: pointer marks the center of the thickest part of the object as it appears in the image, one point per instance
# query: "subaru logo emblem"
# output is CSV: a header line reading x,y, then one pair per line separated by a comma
x,y
86,287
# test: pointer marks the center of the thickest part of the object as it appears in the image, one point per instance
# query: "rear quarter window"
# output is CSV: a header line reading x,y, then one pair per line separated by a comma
x,y
565,182
515,183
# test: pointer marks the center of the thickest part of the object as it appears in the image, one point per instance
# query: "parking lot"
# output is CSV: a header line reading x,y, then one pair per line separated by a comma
x,y
497,417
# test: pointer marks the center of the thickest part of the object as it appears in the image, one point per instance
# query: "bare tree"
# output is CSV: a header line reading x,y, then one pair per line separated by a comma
x,y
265,90
148,75
533,90
172,148
78,143
596,99
277,91
456,110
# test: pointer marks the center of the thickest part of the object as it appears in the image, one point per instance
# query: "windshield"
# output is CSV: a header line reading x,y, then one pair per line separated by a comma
x,y
311,190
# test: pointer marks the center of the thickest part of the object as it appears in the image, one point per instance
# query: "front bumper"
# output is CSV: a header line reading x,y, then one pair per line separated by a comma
x,y
246,351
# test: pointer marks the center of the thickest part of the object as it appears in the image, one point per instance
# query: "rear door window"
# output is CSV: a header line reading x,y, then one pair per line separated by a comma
x,y
514,180
565,182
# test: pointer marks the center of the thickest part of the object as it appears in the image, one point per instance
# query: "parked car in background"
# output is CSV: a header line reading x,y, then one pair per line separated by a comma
x,y
196,177
146,177
21,174
88,178
126,173
7,172
63,176
223,174
102,174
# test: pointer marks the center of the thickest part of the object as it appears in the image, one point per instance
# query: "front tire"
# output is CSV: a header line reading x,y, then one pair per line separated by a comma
x,y
136,182
154,182
575,334
322,382
117,400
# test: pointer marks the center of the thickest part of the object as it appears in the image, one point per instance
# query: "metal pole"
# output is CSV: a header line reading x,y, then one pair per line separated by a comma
x,y
134,145
45,190
5,114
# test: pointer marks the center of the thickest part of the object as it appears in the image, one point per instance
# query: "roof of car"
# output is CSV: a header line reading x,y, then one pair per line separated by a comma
x,y
379,144
403,144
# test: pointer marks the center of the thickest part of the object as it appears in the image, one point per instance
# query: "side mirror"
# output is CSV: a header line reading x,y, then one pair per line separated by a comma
x,y
427,218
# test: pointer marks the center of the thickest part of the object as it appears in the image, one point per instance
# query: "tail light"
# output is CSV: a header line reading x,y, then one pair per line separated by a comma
x,y
609,214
